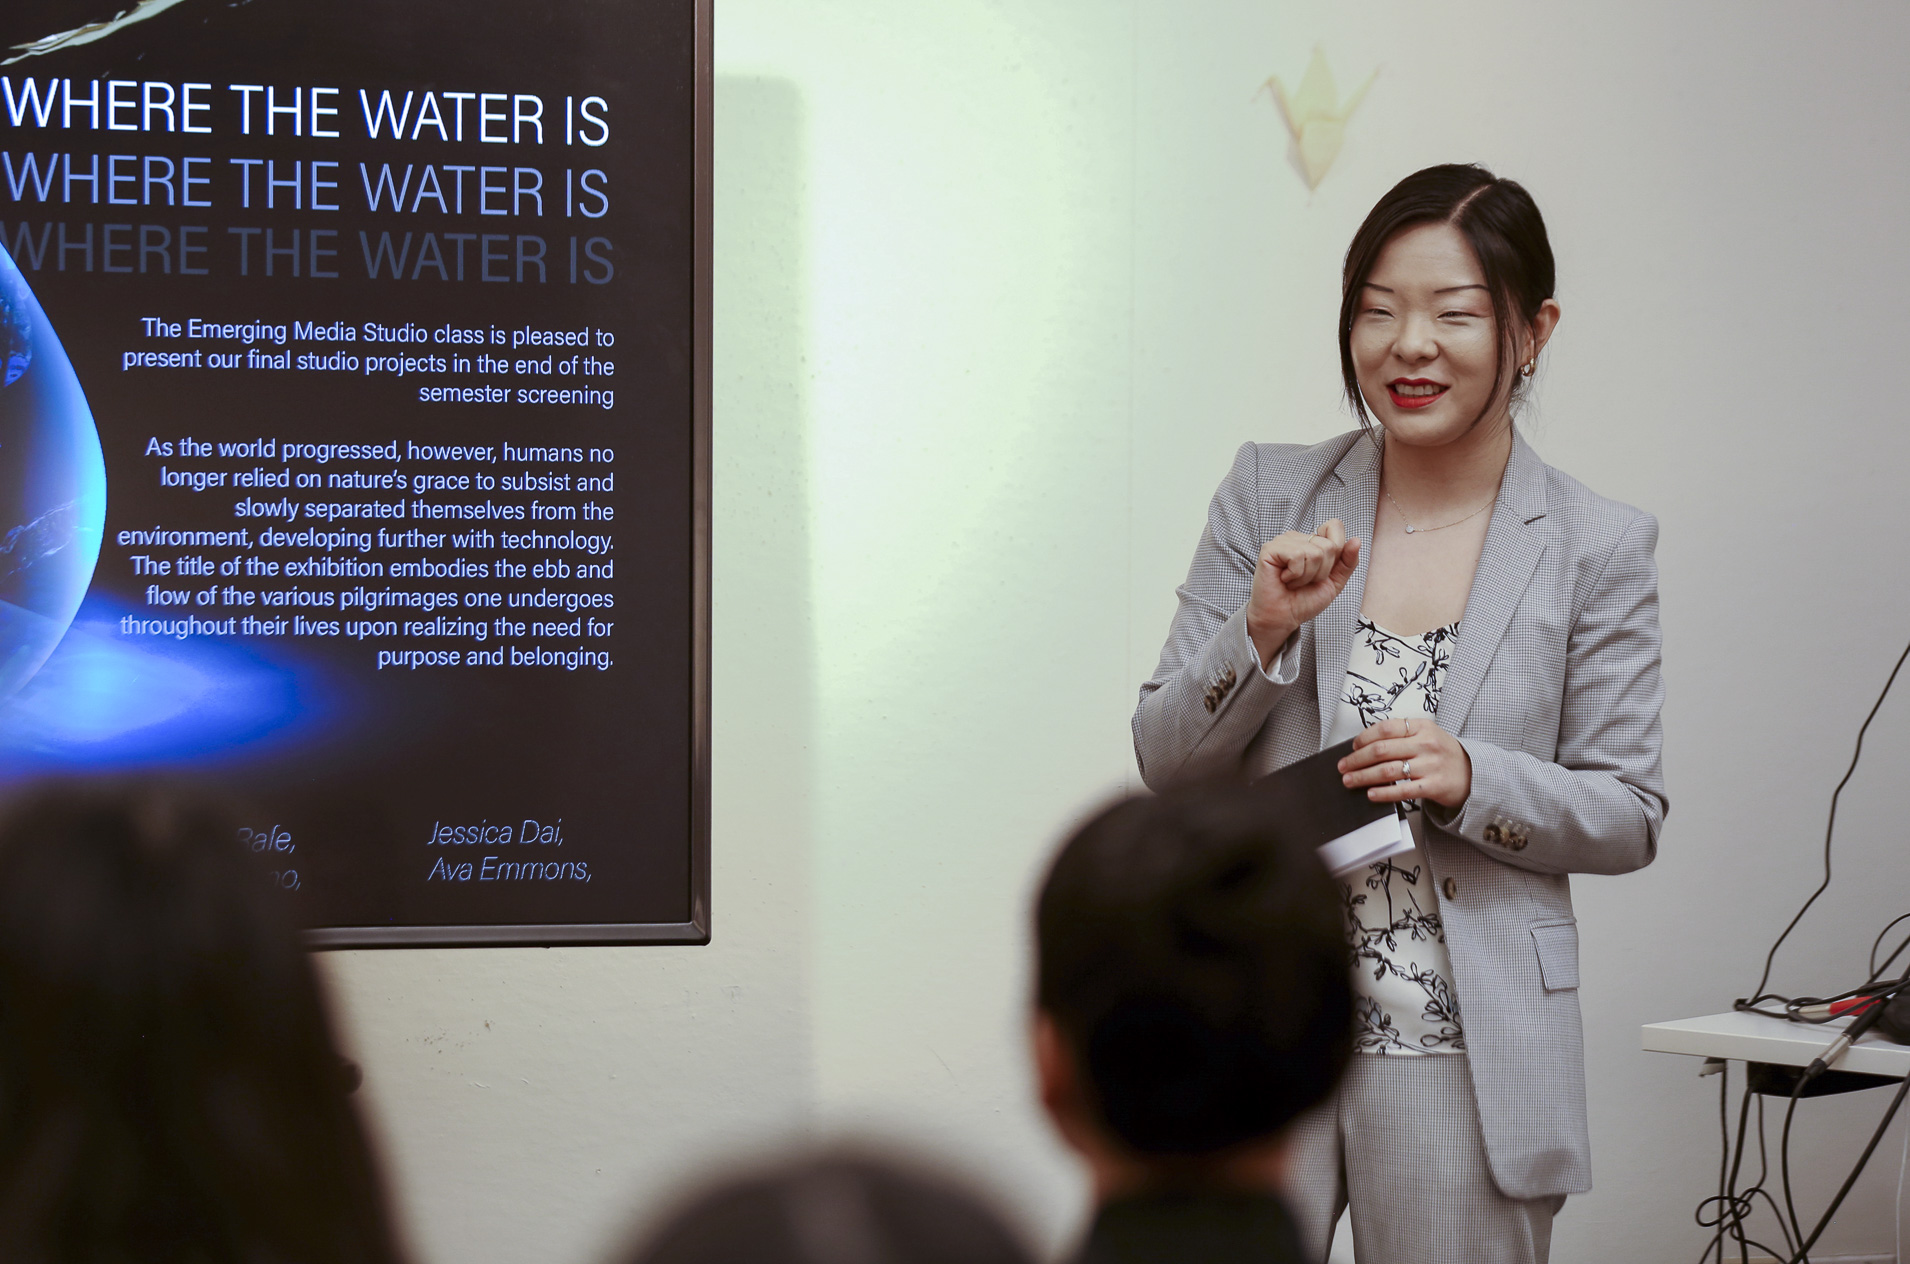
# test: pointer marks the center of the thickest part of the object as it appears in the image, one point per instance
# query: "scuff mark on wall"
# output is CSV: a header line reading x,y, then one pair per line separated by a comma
x,y
90,32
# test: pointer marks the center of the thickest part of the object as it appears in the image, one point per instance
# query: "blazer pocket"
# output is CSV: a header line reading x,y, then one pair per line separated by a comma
x,y
1557,946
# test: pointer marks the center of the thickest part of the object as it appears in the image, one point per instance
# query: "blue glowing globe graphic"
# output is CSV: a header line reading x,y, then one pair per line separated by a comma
x,y
52,485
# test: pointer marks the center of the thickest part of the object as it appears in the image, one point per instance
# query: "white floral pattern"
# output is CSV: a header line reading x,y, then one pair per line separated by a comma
x,y
1402,973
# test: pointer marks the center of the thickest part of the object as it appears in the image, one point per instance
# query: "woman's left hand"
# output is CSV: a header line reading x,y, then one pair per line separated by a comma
x,y
1409,759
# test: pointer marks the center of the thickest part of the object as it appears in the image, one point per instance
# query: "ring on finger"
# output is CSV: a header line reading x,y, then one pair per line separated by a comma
x,y
1406,770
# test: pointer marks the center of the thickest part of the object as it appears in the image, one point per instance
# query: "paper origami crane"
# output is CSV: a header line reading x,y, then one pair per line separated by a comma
x,y
1315,116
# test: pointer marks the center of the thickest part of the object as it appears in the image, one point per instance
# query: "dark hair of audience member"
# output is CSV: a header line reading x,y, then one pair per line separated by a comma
x,y
169,1088
1195,963
836,1209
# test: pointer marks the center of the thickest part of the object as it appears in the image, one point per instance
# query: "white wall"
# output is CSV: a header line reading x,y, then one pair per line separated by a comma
x,y
999,288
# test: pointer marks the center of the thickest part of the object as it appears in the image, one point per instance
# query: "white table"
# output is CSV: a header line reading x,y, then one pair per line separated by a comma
x,y
1760,1038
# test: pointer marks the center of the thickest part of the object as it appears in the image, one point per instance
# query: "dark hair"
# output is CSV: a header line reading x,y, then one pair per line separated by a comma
x,y
841,1209
1500,221
169,1088
1196,963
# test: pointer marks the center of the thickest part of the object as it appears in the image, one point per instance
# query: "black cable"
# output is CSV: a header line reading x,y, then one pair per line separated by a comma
x,y
1876,969
1830,828
1727,1209
1861,1024
1794,1004
1737,1207
1764,1174
1784,1166
1724,1148
1734,1209
1803,1252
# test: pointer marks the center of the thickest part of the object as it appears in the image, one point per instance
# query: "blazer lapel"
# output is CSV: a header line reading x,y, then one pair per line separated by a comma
x,y
1352,496
1514,544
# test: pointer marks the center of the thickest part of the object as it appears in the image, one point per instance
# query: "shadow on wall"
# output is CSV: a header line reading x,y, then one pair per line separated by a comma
x,y
763,644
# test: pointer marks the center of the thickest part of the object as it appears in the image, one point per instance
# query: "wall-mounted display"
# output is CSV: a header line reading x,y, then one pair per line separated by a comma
x,y
354,445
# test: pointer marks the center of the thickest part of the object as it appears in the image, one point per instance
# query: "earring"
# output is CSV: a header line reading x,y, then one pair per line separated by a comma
x,y
1531,366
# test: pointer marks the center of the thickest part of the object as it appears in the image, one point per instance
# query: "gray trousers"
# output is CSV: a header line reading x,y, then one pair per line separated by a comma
x,y
1399,1142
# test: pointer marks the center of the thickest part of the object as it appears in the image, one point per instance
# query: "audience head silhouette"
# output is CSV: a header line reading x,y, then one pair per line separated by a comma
x,y
840,1209
169,1087
1192,988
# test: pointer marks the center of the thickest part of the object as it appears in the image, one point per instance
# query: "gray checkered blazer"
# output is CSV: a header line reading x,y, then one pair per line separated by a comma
x,y
1554,691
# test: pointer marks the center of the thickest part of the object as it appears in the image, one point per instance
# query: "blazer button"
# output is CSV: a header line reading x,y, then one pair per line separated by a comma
x,y
1516,842
1493,833
1451,888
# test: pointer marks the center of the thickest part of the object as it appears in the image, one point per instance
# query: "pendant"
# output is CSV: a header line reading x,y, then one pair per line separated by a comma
x,y
1409,528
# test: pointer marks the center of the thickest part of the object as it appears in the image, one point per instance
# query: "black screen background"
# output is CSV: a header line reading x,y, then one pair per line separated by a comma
x,y
610,752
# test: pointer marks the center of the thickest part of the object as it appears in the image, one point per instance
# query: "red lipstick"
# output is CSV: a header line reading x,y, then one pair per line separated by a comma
x,y
1414,401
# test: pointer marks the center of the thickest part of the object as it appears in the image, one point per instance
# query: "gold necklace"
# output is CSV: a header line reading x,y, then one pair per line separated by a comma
x,y
1412,530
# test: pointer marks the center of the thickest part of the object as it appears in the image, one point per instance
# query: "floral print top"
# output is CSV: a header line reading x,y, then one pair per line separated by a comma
x,y
1402,973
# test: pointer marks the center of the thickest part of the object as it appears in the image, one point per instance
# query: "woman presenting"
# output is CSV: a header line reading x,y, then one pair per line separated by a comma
x,y
1485,629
